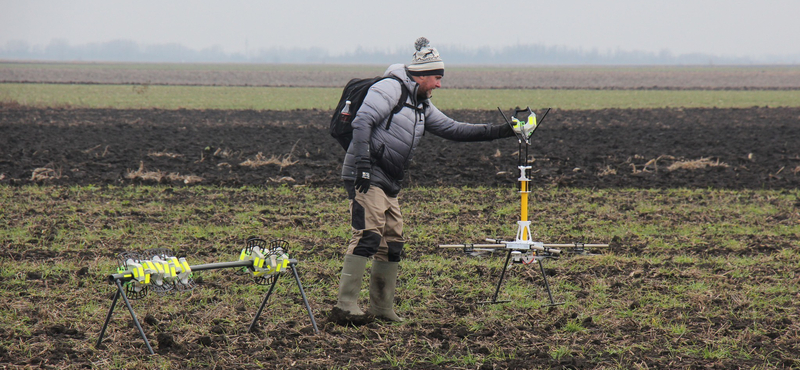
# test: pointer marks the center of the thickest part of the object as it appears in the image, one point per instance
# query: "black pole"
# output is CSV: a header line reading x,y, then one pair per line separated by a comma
x,y
543,116
504,116
222,265
547,285
108,318
500,282
263,303
305,300
133,315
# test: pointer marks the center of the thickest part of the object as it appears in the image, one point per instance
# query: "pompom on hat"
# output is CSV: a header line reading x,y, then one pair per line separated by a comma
x,y
426,60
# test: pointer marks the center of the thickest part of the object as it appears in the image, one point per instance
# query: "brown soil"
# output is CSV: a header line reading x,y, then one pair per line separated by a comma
x,y
752,148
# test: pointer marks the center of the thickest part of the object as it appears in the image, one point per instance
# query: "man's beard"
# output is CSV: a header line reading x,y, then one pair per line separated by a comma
x,y
424,95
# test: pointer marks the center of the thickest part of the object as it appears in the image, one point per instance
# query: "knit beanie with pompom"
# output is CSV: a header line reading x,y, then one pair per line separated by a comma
x,y
426,60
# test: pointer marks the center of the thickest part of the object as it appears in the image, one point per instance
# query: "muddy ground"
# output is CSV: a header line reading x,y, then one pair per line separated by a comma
x,y
753,148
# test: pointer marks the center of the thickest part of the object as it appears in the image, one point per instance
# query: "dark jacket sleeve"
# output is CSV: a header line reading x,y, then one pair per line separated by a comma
x,y
441,125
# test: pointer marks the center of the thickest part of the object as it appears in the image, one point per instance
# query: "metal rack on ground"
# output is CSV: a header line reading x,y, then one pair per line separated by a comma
x,y
160,271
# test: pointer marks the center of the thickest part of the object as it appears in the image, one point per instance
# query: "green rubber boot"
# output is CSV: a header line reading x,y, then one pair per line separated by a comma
x,y
350,283
382,284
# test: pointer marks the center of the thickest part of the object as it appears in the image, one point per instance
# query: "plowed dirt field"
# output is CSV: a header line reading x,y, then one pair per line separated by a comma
x,y
662,148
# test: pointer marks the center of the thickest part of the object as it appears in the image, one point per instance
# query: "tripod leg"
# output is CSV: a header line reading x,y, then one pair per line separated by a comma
x,y
502,276
547,285
263,303
133,315
108,318
305,300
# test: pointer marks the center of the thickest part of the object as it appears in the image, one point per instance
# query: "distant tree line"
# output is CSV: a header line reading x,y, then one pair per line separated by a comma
x,y
130,51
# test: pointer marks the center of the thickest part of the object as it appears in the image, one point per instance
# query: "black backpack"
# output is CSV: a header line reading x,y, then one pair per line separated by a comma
x,y
354,92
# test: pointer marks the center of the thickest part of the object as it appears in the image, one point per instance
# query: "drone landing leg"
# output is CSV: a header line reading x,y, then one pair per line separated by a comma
x,y
547,285
500,282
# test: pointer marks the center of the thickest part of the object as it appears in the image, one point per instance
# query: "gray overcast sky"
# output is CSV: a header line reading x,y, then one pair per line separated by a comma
x,y
736,28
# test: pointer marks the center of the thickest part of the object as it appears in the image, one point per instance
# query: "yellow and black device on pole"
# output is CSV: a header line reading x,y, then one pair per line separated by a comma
x,y
523,250
524,124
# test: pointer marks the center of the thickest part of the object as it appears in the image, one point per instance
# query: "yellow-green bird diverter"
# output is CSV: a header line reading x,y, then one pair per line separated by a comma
x,y
530,123
524,127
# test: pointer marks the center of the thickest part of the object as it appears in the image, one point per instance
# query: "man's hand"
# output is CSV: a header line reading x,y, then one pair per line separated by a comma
x,y
363,179
524,128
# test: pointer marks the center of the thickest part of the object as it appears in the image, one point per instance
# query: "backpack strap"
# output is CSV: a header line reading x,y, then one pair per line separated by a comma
x,y
401,103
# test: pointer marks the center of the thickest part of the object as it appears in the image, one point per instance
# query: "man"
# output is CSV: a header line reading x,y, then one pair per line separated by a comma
x,y
374,169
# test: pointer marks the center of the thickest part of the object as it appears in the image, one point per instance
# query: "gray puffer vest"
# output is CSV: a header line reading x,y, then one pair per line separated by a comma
x,y
389,151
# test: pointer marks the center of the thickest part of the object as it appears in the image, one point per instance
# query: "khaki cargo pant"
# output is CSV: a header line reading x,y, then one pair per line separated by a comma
x,y
377,225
